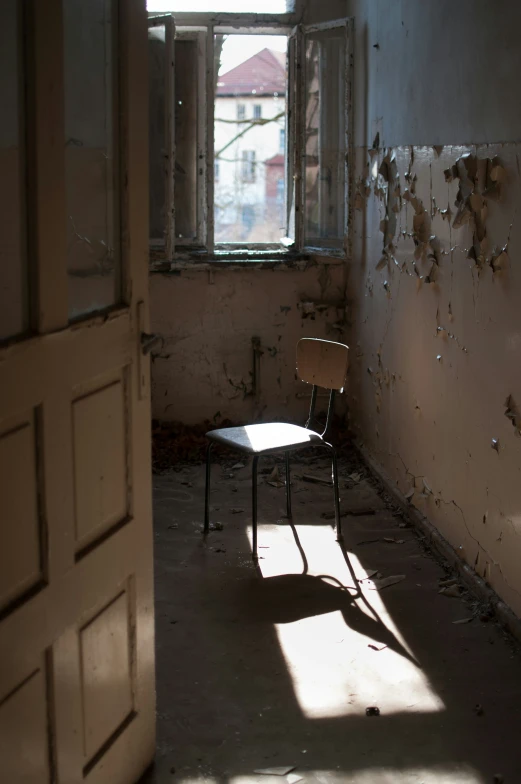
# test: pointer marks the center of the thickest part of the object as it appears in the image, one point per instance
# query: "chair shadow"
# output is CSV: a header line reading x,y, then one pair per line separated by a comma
x,y
288,598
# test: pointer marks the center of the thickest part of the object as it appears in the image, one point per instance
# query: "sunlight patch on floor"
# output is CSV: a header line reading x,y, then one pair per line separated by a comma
x,y
333,670
437,775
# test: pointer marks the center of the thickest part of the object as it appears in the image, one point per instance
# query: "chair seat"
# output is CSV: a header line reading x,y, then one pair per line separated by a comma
x,y
268,437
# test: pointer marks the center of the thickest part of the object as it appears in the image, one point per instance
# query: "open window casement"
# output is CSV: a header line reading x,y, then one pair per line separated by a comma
x,y
291,148
161,32
186,155
177,137
324,67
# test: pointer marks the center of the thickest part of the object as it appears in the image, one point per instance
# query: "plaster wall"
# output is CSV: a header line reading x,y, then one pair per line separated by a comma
x,y
434,281
208,319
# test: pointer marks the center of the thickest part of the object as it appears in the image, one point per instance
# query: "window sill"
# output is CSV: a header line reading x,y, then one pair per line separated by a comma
x,y
282,261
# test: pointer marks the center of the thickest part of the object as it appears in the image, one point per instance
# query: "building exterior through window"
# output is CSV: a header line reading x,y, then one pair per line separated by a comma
x,y
250,121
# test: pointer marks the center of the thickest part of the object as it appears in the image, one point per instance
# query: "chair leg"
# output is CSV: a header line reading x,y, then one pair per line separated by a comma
x,y
288,487
254,506
207,490
338,519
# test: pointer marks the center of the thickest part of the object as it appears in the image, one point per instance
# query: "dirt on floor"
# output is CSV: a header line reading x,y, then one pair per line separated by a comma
x,y
395,673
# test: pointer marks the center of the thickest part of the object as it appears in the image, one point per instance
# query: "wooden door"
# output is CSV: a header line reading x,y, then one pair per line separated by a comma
x,y
77,695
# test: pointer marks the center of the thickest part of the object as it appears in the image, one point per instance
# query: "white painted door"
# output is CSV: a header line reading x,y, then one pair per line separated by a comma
x,y
76,583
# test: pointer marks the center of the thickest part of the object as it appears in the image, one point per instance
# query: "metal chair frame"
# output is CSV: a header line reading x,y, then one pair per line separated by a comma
x,y
286,452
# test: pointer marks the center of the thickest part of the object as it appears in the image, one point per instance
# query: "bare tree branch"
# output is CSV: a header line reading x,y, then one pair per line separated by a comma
x,y
261,121
251,124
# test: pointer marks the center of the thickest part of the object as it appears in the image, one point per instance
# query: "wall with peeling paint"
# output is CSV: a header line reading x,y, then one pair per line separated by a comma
x,y
204,368
434,282
207,319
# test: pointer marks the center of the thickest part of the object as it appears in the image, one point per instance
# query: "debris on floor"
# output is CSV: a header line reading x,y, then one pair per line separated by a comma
x,y
454,591
378,584
274,478
261,665
348,513
315,479
276,771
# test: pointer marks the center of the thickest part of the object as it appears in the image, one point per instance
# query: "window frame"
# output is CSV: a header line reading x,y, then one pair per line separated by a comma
x,y
324,247
197,242
207,26
167,21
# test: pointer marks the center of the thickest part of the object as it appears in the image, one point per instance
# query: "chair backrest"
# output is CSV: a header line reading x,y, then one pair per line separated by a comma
x,y
322,363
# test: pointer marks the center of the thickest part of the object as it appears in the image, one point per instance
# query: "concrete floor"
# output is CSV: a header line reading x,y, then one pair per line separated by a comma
x,y
276,666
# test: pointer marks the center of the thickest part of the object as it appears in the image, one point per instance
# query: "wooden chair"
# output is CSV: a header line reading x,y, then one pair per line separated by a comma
x,y
321,363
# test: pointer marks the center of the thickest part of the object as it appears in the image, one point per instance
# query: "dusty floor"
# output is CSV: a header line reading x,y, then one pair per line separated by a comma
x,y
276,666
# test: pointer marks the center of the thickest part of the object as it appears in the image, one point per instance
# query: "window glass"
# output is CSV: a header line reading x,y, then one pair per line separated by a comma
x,y
13,257
157,133
185,174
91,155
250,121
189,156
248,165
223,6
325,207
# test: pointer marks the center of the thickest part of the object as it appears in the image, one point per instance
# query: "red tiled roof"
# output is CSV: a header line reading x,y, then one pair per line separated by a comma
x,y
277,160
262,74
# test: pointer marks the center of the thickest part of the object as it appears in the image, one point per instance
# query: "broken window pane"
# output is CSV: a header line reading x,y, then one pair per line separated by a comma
x,y
250,122
325,148
91,171
13,271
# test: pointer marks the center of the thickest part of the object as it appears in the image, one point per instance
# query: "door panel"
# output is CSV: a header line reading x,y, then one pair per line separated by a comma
x,y
76,580
20,535
24,738
106,648
100,461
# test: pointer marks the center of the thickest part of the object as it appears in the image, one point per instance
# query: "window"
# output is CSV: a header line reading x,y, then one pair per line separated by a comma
x,y
248,166
252,84
248,217
224,168
324,199
231,6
